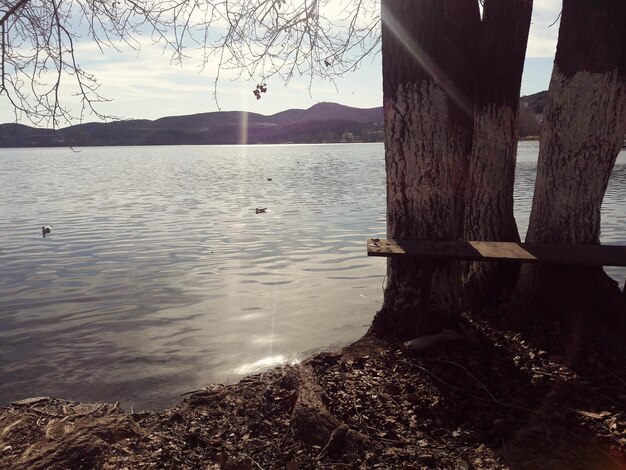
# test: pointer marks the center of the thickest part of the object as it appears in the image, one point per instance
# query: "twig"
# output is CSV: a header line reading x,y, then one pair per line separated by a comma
x,y
557,19
43,413
392,441
357,410
569,381
252,460
554,376
484,387
12,10
289,430
435,376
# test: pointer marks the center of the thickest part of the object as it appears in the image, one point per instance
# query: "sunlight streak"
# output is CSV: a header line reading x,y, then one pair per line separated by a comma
x,y
429,65
243,128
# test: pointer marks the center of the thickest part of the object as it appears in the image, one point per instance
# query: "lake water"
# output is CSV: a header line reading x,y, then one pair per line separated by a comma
x,y
159,277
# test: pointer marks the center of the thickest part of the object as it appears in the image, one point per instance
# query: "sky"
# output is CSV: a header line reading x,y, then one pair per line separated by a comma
x,y
145,85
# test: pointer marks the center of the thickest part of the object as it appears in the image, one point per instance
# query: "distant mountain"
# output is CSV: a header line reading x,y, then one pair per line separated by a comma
x,y
535,103
323,122
324,111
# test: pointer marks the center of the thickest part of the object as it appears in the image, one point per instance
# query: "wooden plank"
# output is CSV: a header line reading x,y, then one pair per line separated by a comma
x,y
461,250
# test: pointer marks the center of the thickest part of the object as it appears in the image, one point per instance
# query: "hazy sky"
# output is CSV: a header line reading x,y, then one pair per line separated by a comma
x,y
145,85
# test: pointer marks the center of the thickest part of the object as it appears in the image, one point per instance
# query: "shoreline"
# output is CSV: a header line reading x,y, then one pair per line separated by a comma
x,y
489,400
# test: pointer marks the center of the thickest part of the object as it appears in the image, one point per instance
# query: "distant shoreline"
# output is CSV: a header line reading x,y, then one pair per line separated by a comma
x,y
323,123
520,139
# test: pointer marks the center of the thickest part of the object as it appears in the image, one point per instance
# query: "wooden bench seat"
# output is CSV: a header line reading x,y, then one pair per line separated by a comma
x,y
461,250
430,251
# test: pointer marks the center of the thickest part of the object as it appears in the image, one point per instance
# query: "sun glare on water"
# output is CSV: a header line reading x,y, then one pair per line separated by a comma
x,y
265,363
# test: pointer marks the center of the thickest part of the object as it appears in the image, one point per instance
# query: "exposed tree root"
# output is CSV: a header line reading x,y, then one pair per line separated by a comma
x,y
315,425
310,419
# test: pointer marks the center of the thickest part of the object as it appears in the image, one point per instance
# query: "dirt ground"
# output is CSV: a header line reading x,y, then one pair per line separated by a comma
x,y
488,400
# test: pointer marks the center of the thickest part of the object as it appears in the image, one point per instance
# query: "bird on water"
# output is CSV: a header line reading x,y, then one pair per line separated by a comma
x,y
45,230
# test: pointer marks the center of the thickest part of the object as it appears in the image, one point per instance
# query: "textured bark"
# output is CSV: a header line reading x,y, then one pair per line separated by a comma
x,y
584,125
489,201
428,105
315,425
310,418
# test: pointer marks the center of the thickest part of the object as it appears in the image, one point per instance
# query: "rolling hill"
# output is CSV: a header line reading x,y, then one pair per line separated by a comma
x,y
323,122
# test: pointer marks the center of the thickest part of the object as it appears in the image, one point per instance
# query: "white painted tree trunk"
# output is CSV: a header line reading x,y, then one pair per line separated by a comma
x,y
583,134
428,105
451,89
584,124
489,200
426,163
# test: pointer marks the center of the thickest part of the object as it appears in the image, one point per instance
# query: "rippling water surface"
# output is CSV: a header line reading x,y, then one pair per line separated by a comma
x,y
159,277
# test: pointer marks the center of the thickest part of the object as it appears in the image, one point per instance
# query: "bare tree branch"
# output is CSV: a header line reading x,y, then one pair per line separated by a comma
x,y
251,39
11,11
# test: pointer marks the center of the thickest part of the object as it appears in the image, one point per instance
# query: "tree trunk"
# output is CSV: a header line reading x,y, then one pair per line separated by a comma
x,y
489,200
428,106
584,125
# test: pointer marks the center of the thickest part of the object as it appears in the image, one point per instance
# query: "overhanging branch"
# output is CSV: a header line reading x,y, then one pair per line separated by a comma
x,y
12,10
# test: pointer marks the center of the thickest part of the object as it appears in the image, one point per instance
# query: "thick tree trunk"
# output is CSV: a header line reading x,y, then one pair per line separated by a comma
x,y
584,125
489,196
428,105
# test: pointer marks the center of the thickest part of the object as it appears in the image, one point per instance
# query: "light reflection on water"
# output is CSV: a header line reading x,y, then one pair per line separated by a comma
x,y
159,278
264,363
